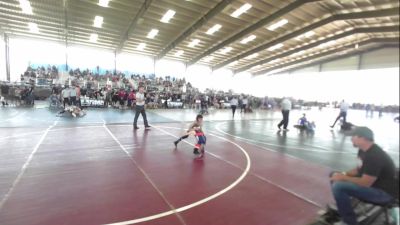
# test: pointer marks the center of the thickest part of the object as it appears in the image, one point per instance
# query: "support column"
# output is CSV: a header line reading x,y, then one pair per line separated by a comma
x,y
65,6
115,62
154,66
66,51
360,57
66,57
7,62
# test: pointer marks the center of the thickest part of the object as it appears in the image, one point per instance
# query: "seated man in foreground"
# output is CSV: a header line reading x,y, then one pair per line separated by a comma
x,y
373,180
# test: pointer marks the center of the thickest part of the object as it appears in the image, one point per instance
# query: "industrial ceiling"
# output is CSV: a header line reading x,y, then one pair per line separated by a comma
x,y
257,36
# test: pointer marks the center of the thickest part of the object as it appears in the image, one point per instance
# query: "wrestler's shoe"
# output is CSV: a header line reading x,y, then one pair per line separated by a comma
x,y
201,155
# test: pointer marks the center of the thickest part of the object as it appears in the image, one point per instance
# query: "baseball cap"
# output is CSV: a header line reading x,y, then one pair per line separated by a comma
x,y
364,132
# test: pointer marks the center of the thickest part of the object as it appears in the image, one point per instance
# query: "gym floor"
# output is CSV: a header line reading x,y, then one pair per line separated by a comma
x,y
97,170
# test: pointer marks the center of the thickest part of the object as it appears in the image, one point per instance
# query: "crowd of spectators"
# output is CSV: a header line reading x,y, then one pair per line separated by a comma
x,y
31,74
119,90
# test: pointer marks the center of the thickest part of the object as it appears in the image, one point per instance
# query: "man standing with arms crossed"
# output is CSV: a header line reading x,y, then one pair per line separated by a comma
x,y
140,104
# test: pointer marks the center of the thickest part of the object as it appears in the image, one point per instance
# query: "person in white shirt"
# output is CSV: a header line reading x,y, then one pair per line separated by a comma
x,y
72,95
140,104
286,106
234,103
2,100
344,106
244,104
65,95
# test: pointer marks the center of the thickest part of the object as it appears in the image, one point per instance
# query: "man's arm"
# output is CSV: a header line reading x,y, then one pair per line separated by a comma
x,y
352,173
365,180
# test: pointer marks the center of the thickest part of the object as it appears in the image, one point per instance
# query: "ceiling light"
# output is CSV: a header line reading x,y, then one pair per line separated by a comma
x,y
273,61
167,16
33,27
141,46
275,47
103,3
241,10
226,50
179,53
152,33
298,53
213,29
194,43
248,39
252,56
278,24
356,46
305,35
323,45
208,59
25,6
93,37
98,21
309,34
342,53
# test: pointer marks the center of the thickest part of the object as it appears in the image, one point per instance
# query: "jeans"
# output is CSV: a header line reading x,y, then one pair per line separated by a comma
x,y
140,110
285,120
341,114
343,191
233,107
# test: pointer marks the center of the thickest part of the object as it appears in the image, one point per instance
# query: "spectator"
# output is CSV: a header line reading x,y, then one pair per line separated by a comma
x,y
234,104
72,95
3,101
65,96
374,180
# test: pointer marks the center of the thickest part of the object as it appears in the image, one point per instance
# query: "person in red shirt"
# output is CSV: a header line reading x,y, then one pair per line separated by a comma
x,y
121,95
131,98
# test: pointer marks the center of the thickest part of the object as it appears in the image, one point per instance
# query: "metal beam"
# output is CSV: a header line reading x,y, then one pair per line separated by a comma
x,y
320,62
266,20
199,23
364,43
146,4
348,16
317,43
331,52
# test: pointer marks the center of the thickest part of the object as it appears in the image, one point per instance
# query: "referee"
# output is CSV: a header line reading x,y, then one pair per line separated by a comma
x,y
140,104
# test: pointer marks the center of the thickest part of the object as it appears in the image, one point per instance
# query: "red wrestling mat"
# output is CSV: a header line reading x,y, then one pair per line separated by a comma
x,y
102,175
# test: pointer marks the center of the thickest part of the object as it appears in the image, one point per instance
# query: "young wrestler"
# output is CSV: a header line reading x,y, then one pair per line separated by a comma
x,y
304,124
195,129
74,110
